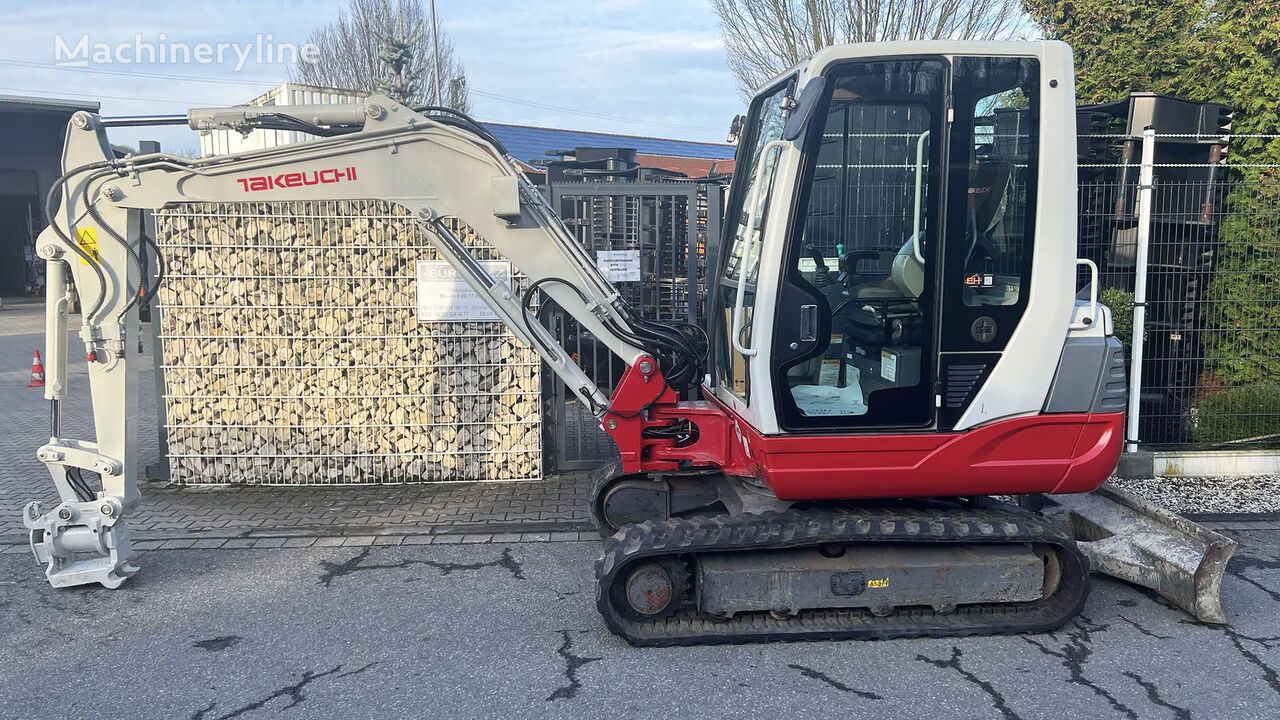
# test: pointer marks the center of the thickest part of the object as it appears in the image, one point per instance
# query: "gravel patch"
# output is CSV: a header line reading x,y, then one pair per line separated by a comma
x,y
1257,494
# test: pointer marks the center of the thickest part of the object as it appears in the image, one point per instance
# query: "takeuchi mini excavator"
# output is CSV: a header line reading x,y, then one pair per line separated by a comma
x,y
896,422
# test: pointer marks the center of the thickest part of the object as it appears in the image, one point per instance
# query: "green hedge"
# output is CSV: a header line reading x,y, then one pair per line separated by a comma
x,y
1120,302
1239,413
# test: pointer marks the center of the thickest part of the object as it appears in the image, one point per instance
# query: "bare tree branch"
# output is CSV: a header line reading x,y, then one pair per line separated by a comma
x,y
764,37
350,53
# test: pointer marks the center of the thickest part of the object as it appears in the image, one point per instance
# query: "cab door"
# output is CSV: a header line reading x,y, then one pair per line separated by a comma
x,y
855,332
991,228
738,284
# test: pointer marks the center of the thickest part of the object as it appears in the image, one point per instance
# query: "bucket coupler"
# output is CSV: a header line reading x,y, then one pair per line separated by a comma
x,y
1139,542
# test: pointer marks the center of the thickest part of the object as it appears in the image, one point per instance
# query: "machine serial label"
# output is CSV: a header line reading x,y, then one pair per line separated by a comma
x,y
880,583
328,176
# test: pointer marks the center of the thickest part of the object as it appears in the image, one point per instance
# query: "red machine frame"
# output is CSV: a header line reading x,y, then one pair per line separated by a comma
x,y
1048,453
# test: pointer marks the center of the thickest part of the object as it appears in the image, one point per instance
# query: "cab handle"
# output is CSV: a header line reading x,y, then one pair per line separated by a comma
x,y
753,239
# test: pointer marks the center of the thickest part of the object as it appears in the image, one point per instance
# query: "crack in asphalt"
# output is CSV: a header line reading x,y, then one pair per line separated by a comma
x,y
294,692
572,663
216,644
823,677
1240,563
953,663
1140,628
333,571
1153,694
1269,673
1075,653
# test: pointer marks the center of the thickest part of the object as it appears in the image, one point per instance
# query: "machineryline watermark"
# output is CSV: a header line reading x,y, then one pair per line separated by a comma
x,y
83,51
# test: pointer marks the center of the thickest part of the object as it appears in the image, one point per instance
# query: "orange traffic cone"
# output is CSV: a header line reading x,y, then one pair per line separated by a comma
x,y
37,371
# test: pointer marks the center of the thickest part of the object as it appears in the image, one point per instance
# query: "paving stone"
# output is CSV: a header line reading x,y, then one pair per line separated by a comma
x,y
329,541
358,540
472,539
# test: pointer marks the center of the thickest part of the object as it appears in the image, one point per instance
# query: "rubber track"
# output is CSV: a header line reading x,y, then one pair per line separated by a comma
x,y
802,528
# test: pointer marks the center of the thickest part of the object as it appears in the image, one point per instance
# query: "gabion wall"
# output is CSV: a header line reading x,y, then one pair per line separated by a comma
x,y
293,354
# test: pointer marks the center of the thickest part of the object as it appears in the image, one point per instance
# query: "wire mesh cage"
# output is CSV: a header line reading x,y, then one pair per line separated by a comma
x,y
294,354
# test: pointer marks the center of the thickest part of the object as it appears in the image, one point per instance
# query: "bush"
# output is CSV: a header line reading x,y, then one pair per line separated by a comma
x,y
1238,413
1242,322
1121,304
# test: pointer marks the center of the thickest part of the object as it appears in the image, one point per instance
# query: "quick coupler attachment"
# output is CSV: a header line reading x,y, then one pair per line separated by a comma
x,y
81,543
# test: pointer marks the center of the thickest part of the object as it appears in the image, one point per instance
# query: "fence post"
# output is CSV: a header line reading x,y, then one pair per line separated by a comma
x,y
1146,179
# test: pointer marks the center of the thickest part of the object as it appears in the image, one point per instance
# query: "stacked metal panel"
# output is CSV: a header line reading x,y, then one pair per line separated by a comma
x,y
294,353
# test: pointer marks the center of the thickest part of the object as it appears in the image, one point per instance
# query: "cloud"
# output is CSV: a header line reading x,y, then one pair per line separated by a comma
x,y
659,63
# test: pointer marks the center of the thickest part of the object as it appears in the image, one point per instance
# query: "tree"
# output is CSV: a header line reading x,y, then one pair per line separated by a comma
x,y
764,37
385,45
1127,45
1223,51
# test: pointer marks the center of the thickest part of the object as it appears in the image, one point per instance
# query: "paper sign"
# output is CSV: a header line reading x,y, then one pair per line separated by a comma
x,y
888,366
619,265
443,296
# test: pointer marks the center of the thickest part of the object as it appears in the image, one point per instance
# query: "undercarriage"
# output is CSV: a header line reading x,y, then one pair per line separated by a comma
x,y
698,558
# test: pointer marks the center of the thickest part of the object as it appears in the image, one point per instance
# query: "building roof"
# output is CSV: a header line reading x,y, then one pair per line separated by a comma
x,y
687,166
531,144
27,103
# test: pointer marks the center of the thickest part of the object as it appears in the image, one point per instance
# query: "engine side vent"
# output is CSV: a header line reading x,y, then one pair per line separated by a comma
x,y
963,374
962,381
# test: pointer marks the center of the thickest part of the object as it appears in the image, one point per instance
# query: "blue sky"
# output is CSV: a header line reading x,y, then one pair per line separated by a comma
x,y
656,66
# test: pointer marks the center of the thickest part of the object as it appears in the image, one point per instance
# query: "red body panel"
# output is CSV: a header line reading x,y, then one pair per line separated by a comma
x,y
1065,453
1051,453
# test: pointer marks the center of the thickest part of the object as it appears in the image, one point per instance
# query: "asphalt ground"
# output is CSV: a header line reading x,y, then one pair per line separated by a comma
x,y
510,631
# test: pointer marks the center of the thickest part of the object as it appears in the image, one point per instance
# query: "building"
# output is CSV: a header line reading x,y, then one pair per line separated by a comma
x,y
35,129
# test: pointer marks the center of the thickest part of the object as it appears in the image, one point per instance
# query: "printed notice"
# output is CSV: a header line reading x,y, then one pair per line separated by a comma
x,y
888,366
619,265
443,296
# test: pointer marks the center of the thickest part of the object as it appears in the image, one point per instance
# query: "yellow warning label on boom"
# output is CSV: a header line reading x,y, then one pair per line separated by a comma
x,y
87,239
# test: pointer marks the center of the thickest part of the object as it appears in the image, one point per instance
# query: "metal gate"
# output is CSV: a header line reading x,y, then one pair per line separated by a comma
x,y
658,234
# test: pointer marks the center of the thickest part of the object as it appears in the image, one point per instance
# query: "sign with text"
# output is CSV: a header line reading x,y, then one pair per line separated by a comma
x,y
443,296
619,265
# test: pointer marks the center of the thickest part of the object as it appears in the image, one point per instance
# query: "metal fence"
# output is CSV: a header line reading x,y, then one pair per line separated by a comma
x,y
657,236
1190,258
294,353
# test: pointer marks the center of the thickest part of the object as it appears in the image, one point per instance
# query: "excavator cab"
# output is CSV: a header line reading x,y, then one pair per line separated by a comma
x,y
896,235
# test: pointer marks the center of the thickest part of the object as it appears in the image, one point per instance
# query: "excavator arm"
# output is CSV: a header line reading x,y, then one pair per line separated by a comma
x,y
435,164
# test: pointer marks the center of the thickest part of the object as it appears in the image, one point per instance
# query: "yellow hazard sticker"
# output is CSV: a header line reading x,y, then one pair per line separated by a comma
x,y
881,583
87,239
